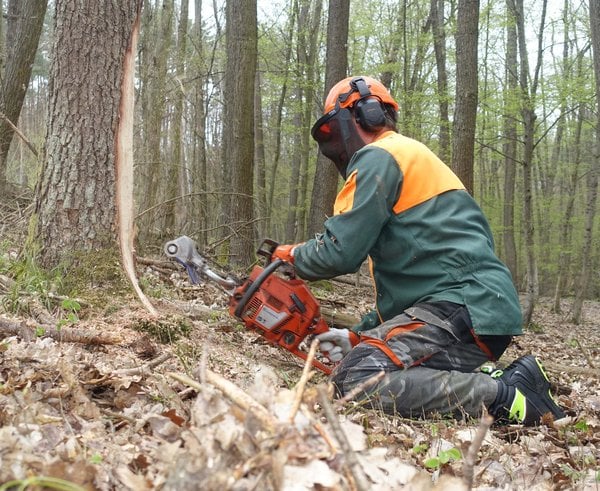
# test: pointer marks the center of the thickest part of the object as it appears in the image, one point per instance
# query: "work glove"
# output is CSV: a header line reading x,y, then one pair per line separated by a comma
x,y
285,252
337,343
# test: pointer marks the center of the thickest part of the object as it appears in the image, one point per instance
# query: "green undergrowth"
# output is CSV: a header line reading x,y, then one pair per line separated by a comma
x,y
93,278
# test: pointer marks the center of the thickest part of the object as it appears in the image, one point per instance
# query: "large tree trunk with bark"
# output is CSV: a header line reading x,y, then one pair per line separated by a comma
x,y
75,197
24,25
326,175
238,129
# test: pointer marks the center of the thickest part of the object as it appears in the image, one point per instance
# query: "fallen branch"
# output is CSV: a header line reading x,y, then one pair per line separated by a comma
x,y
144,368
235,395
572,370
166,264
63,335
352,464
585,354
19,134
338,319
471,457
11,328
303,379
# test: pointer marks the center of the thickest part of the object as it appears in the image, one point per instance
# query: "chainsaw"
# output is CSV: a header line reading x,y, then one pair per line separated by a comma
x,y
282,310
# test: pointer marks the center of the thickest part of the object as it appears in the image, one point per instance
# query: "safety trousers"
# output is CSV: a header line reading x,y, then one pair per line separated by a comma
x,y
428,356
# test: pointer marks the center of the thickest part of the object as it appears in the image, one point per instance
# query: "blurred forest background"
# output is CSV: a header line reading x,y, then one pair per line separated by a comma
x,y
215,165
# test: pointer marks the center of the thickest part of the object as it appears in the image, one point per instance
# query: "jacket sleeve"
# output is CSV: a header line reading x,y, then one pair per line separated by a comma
x,y
362,208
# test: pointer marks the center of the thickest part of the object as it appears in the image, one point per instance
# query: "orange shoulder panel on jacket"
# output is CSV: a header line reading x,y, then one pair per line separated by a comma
x,y
424,174
345,198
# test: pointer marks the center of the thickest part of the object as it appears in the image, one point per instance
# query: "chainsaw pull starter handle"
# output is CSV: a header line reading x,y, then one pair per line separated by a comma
x,y
269,269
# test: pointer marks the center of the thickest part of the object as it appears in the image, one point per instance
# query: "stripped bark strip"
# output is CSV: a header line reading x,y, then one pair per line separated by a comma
x,y
124,168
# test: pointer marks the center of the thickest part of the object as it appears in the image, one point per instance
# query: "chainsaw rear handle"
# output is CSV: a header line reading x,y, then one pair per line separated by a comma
x,y
251,290
266,249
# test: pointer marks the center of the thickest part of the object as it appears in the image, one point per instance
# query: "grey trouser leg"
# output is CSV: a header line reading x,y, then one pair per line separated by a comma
x,y
437,374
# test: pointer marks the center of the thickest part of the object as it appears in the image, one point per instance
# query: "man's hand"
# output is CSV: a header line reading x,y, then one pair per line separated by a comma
x,y
285,252
337,343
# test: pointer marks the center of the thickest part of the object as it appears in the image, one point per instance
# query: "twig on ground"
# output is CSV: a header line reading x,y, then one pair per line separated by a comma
x,y
572,370
161,264
375,379
352,464
114,414
330,443
584,353
303,379
37,310
235,395
471,457
145,368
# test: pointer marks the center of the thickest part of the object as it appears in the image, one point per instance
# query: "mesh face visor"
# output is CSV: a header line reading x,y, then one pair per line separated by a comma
x,y
336,135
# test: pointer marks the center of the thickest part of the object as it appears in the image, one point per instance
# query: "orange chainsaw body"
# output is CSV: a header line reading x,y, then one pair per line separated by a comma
x,y
283,311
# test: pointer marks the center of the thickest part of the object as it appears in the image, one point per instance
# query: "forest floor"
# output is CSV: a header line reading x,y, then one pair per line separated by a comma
x,y
105,396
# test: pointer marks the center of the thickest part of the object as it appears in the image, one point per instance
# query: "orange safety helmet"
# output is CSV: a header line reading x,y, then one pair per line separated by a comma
x,y
346,95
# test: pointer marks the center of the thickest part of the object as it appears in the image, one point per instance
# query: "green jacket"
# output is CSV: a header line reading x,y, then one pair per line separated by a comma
x,y
426,238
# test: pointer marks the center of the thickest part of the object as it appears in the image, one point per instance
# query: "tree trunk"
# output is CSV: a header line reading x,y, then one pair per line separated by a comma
x,y
177,178
465,112
238,129
198,205
592,178
566,227
528,95
260,161
2,43
439,46
311,69
278,124
326,175
295,160
23,30
510,146
572,154
75,198
156,43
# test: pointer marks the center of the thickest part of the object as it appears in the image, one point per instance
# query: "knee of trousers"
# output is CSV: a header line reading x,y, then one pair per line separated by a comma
x,y
358,366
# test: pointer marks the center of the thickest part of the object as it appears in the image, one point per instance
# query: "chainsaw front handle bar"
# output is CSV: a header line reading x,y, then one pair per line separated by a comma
x,y
251,290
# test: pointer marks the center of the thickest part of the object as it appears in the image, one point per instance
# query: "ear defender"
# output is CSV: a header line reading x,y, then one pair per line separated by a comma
x,y
368,110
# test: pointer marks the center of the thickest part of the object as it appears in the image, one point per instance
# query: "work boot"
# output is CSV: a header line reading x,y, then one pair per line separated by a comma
x,y
523,393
